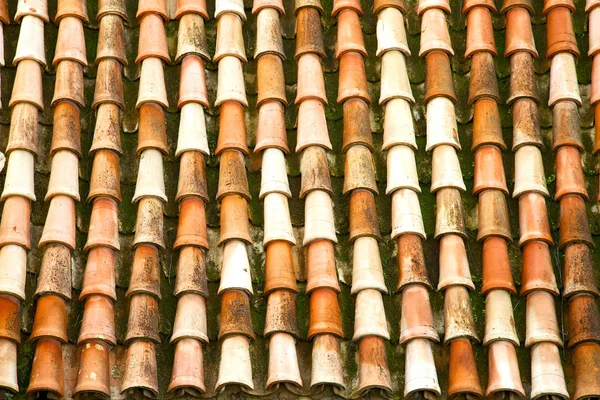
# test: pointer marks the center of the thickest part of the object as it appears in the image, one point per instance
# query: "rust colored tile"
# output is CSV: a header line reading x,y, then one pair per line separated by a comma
x,y
23,134
50,319
584,320
496,274
99,276
149,223
232,136
71,8
234,219
70,43
342,5
480,32
281,314
140,380
574,226
60,223
483,82
105,178
108,7
522,81
104,225
454,265
4,18
155,7
152,40
69,83
67,129
526,130
357,125
321,266
191,272
271,132
359,170
353,78
191,230
538,273
98,320
559,32
14,224
373,371
493,216
503,369
411,262
324,313
541,322
585,361
192,176
268,34
55,272
27,87
579,277
349,32
489,170
449,214
470,5
143,319
363,216
569,173
107,133
550,5
193,7
463,378
279,268
190,318
109,84
94,369
566,130
508,5
439,81
519,34
533,219
270,80
309,36
417,319
232,176
187,376
10,319
152,131
487,128
300,4
458,317
230,39
47,370
191,37
381,4
235,315
145,278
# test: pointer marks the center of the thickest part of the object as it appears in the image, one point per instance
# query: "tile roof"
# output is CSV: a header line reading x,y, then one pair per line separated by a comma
x,y
313,198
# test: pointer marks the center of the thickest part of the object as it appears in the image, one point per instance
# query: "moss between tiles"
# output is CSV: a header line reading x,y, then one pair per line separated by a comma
x,y
416,69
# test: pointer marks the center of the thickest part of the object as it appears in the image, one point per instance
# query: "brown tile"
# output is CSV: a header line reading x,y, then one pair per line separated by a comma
x,y
569,173
268,34
10,320
23,134
439,80
55,272
192,176
480,32
191,272
463,377
584,320
522,83
411,262
458,315
483,82
538,273
578,272
309,38
235,315
496,272
566,129
281,313
141,378
67,129
493,216
143,319
232,136
230,39
526,130
105,177
270,80
279,268
359,170
99,276
108,7
353,78
191,37
234,219
373,370
585,363
191,230
191,6
149,223
109,84
107,133
574,226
